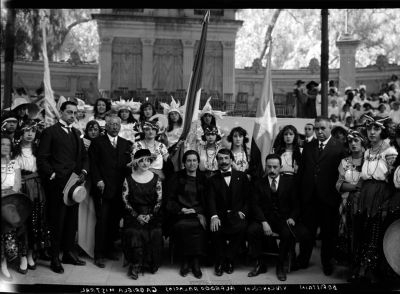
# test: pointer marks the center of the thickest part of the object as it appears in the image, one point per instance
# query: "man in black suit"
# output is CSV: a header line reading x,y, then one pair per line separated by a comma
x,y
274,207
318,173
309,133
109,156
227,207
61,152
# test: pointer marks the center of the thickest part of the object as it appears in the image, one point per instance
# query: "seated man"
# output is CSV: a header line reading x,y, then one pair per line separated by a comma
x,y
227,206
274,208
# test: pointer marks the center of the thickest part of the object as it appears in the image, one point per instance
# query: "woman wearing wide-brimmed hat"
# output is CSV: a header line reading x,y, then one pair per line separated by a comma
x,y
15,208
142,233
151,130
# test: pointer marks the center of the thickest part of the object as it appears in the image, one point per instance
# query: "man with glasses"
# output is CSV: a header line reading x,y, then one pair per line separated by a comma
x,y
109,156
319,202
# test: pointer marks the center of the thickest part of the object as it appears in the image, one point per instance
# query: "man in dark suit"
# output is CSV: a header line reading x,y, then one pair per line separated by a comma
x,y
109,156
62,152
309,133
318,173
227,207
274,208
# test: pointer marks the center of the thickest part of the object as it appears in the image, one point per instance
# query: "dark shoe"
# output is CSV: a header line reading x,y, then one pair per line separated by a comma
x,y
70,258
99,262
153,269
56,266
133,272
229,267
218,270
280,273
297,266
22,271
44,255
258,269
327,269
196,268
112,256
32,267
184,269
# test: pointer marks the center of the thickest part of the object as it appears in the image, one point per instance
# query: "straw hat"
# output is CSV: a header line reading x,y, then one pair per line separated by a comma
x,y
74,192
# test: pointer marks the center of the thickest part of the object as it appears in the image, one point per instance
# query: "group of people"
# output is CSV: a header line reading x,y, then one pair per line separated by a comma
x,y
347,186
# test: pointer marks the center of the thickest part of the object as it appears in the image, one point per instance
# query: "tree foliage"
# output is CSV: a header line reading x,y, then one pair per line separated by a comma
x,y
297,35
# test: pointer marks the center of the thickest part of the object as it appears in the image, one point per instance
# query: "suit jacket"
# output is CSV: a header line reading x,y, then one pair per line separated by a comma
x,y
263,206
53,154
319,172
108,164
220,197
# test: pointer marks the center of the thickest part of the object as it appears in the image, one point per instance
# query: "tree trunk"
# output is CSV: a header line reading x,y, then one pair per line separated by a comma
x,y
268,34
324,62
9,57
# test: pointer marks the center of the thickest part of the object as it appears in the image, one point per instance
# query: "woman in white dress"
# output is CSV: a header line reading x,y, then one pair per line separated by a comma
x,y
126,109
238,139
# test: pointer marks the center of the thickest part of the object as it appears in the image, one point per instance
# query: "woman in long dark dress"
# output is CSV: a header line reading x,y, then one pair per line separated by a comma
x,y
142,234
186,201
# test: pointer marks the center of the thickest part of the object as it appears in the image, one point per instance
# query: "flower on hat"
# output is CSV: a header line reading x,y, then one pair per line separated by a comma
x,y
208,109
173,106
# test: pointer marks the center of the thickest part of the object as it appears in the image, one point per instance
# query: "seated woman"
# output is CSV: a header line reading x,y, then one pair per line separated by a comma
x,y
11,185
142,234
186,205
157,148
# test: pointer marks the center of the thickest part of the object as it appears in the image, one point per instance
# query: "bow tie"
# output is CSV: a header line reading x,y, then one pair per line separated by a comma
x,y
226,174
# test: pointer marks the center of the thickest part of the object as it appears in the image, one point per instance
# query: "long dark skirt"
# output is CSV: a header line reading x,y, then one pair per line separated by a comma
x,y
142,244
189,236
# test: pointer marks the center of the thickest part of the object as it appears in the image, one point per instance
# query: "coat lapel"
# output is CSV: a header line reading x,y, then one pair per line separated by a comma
x,y
327,149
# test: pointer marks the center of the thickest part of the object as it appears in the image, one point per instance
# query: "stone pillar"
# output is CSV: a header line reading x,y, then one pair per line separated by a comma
x,y
147,63
105,63
347,46
228,65
188,59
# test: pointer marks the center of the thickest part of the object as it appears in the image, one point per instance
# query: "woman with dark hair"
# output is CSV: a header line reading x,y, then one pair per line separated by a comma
x,y
38,230
142,234
349,175
146,111
208,151
186,204
92,131
125,113
340,134
238,139
375,195
101,107
174,116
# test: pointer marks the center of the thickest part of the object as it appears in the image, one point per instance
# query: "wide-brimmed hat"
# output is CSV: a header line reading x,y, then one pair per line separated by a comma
x,y
74,192
140,154
347,89
19,102
311,84
299,82
15,209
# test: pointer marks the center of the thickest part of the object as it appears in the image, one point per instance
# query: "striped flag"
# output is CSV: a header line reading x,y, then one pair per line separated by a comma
x,y
193,95
51,112
265,125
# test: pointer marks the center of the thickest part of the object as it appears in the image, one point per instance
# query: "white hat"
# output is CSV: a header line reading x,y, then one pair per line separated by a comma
x,y
126,104
17,102
208,109
81,104
363,87
173,106
347,89
73,192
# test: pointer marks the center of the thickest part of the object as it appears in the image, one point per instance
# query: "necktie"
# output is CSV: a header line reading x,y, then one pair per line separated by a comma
x,y
226,174
273,185
114,142
321,147
68,128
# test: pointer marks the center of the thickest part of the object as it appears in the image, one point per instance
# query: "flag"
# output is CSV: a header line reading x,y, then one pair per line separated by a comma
x,y
193,95
265,125
51,112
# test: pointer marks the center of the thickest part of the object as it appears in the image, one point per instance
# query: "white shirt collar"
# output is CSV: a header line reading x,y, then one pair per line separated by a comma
x,y
64,123
326,141
112,138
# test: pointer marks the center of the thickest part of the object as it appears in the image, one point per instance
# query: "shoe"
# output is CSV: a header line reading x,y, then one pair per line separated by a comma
x,y
44,255
184,269
280,273
229,267
5,278
70,258
258,269
112,256
196,269
133,272
327,269
153,269
99,262
297,266
22,271
56,266
218,270
32,267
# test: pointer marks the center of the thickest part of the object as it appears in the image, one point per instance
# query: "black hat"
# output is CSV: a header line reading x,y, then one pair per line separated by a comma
x,y
299,82
311,85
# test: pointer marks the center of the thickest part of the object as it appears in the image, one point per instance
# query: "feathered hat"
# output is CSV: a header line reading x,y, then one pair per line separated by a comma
x,y
173,106
208,109
130,105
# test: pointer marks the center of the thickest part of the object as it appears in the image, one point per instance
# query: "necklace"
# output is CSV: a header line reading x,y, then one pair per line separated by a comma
x,y
286,159
212,154
373,158
148,146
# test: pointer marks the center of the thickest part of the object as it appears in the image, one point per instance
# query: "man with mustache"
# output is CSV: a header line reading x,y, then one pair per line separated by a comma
x,y
274,208
227,207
